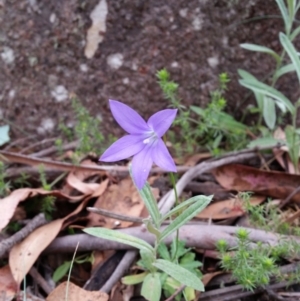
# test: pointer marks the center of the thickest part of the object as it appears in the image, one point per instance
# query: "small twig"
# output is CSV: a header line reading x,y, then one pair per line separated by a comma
x,y
291,195
38,143
40,280
273,295
7,244
119,272
54,149
110,214
177,292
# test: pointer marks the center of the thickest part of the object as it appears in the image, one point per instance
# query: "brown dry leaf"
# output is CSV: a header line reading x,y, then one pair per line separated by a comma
x,y
23,255
9,203
194,159
228,209
85,188
270,183
8,285
122,199
209,276
96,32
75,293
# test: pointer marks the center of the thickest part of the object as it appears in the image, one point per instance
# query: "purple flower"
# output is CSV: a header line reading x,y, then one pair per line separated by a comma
x,y
143,142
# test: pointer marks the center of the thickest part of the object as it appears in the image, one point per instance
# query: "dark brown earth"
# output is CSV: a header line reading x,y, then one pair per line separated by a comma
x,y
42,55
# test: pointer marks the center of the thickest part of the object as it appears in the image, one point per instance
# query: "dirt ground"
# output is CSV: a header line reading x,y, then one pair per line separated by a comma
x,y
43,60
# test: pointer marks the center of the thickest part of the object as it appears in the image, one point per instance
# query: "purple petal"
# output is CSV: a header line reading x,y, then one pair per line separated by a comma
x,y
162,158
127,118
161,121
123,148
141,165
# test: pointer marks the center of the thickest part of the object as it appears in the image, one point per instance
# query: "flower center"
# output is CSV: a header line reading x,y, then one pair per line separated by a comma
x,y
151,138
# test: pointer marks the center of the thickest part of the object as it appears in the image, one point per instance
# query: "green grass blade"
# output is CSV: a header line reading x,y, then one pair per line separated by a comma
x,y
119,237
290,49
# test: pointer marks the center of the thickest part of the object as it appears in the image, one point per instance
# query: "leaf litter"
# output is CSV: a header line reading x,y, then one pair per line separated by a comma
x,y
83,187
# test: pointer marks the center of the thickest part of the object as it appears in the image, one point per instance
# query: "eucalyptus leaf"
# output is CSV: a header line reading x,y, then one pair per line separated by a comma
x,y
290,49
185,216
120,237
180,274
269,91
259,48
269,112
151,287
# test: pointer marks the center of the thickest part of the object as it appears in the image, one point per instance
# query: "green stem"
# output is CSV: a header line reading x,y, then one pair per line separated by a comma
x,y
176,204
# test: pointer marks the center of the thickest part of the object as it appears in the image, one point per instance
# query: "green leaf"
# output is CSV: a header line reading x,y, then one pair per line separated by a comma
x,y
258,48
197,110
61,271
4,137
290,49
293,141
284,70
178,248
229,123
147,259
151,287
187,215
119,237
150,203
180,274
269,91
134,279
181,207
269,112
295,33
284,14
163,251
265,142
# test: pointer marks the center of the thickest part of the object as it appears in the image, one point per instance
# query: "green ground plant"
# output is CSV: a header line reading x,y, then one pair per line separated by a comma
x,y
267,96
87,131
210,127
4,186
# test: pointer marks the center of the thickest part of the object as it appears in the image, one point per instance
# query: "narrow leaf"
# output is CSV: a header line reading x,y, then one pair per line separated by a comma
x,y
284,14
180,274
258,48
134,279
119,237
290,49
269,91
181,206
187,215
61,271
150,203
284,70
293,140
295,33
265,142
151,288
269,112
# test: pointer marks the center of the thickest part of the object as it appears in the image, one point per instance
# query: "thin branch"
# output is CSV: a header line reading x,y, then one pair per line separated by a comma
x,y
7,244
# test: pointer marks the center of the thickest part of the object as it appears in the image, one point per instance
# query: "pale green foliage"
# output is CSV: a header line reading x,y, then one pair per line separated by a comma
x,y
267,96
4,186
210,127
178,265
87,131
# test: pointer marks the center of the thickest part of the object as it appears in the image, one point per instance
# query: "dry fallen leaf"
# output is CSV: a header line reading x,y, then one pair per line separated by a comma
x,y
228,209
270,183
8,285
23,255
75,293
96,32
122,199
9,203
